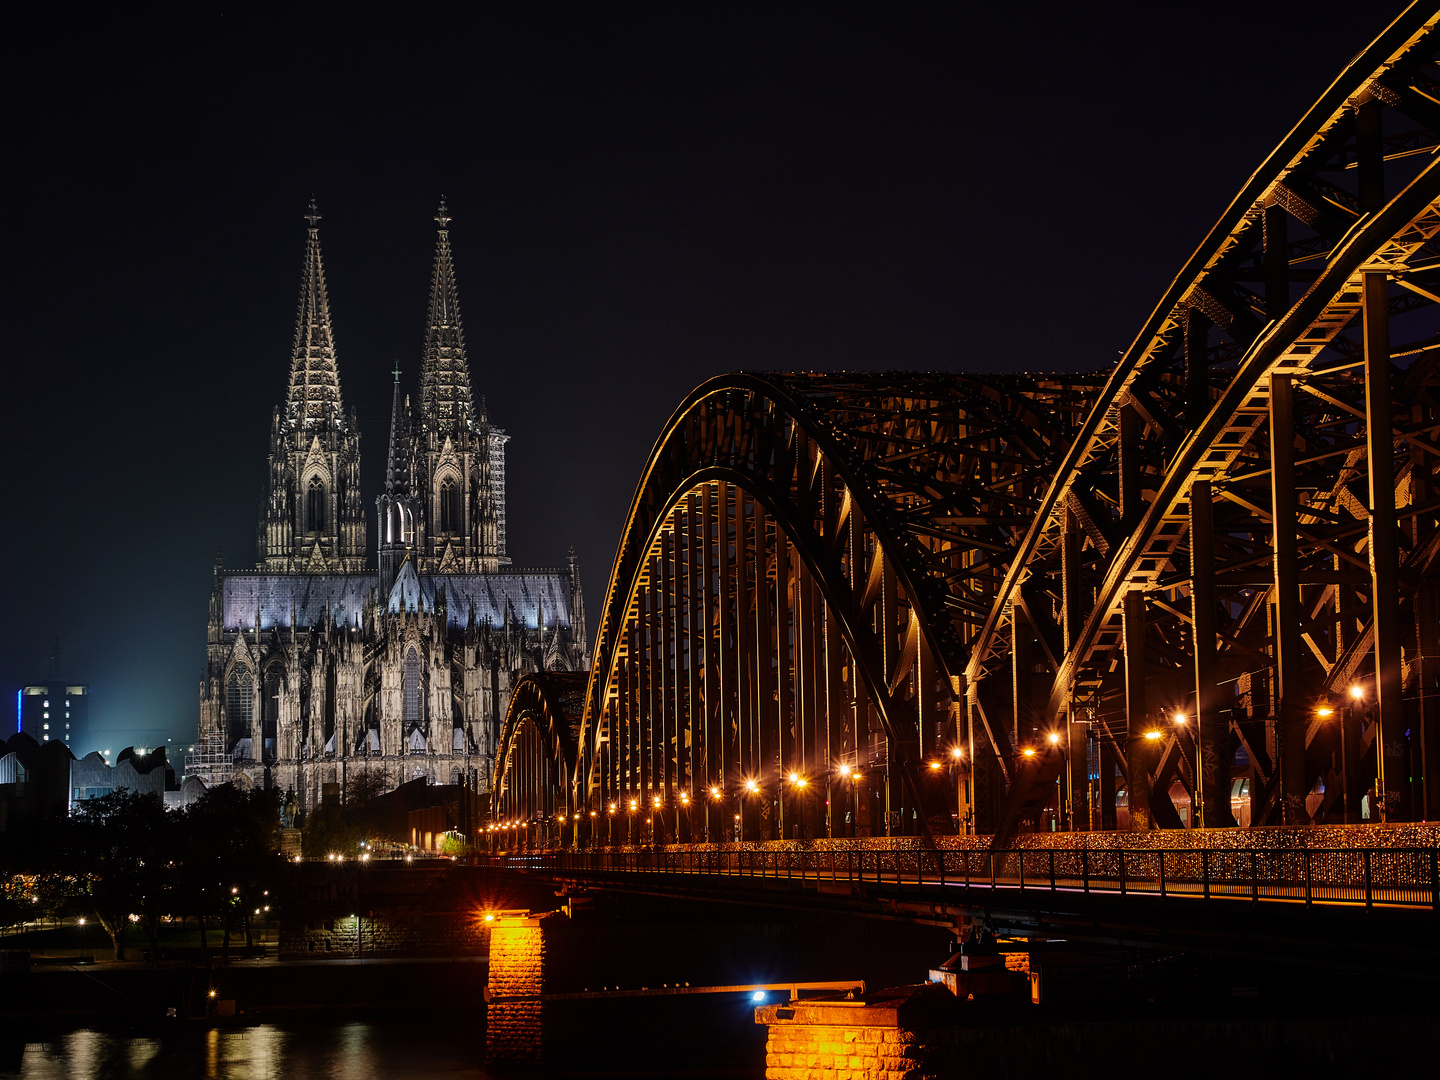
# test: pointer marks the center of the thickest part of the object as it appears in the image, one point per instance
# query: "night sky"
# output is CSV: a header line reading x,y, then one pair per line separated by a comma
x,y
643,197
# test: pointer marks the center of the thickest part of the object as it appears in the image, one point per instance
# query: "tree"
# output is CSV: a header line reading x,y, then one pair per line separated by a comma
x,y
229,857
115,851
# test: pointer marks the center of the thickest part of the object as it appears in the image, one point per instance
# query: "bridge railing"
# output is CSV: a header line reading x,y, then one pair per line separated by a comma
x,y
1391,877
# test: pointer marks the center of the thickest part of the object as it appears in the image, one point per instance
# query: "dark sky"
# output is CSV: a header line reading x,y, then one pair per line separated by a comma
x,y
644,196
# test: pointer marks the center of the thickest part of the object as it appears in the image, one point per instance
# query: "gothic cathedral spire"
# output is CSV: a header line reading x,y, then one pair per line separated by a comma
x,y
395,509
446,403
314,378
312,521
459,471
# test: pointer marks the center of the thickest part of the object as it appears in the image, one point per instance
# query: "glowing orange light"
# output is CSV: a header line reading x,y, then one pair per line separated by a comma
x,y
715,792
1028,752
751,785
844,770
1324,712
1357,692
934,765
1152,735
956,753
1054,738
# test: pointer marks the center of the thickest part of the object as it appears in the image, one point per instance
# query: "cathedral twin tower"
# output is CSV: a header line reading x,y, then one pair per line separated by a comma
x,y
322,660
444,497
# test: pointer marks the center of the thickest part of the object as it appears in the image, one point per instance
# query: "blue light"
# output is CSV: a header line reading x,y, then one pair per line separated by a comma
x,y
759,995
18,719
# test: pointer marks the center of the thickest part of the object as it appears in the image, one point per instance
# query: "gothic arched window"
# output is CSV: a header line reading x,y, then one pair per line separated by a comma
x,y
411,688
270,710
315,506
450,507
239,705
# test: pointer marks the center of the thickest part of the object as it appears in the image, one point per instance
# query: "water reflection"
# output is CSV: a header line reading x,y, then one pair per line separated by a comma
x,y
359,1050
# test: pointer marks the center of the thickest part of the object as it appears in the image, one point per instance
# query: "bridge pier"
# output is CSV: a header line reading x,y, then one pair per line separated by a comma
x,y
906,1031
514,1029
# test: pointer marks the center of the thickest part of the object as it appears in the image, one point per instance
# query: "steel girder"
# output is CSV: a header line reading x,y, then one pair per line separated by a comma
x,y
807,558
869,549
1252,448
537,750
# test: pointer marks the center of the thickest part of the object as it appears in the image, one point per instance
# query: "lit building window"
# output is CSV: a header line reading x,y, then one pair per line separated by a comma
x,y
47,704
47,727
47,716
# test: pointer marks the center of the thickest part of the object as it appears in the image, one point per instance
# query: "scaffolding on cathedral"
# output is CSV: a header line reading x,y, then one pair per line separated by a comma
x,y
210,763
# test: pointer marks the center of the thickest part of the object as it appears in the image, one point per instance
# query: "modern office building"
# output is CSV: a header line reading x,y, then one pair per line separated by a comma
x,y
52,710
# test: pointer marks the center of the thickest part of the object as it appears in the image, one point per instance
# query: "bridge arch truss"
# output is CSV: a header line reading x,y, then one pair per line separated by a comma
x,y
905,603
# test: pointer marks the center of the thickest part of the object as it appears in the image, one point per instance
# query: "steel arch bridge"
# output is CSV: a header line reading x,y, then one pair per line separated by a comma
x,y
897,604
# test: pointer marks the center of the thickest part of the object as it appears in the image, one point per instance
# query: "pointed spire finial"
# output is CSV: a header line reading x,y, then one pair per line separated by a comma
x,y
314,379
313,214
446,402
396,372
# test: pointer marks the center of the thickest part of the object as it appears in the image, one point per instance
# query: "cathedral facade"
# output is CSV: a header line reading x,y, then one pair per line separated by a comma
x,y
331,658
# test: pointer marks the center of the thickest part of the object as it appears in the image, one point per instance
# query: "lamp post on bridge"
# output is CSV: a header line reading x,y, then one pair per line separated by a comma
x,y
1197,812
1357,695
716,804
799,786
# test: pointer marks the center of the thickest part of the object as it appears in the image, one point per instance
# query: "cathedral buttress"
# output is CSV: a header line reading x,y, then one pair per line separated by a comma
x,y
460,458
312,520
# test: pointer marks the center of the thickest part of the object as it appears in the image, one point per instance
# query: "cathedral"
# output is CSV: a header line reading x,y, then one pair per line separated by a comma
x,y
327,661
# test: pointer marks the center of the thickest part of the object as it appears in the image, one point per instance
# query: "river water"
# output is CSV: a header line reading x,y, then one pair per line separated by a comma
x,y
447,1046
356,1050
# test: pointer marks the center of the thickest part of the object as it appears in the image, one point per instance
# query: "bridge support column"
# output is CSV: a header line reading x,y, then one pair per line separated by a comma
x,y
905,1031
1137,754
514,1028
1211,730
1427,637
1075,601
1384,545
1289,707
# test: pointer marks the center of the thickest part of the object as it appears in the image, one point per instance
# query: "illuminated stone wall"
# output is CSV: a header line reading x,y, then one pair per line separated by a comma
x,y
514,1029
334,911
898,1034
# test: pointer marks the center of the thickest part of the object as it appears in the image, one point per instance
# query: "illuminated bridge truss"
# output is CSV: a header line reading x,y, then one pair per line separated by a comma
x,y
851,579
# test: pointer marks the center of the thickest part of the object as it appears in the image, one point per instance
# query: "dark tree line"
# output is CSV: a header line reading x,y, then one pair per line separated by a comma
x,y
128,862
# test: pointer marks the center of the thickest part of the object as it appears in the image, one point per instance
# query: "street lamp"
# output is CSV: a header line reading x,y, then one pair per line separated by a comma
x,y
1325,712
799,784
1357,692
1197,768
